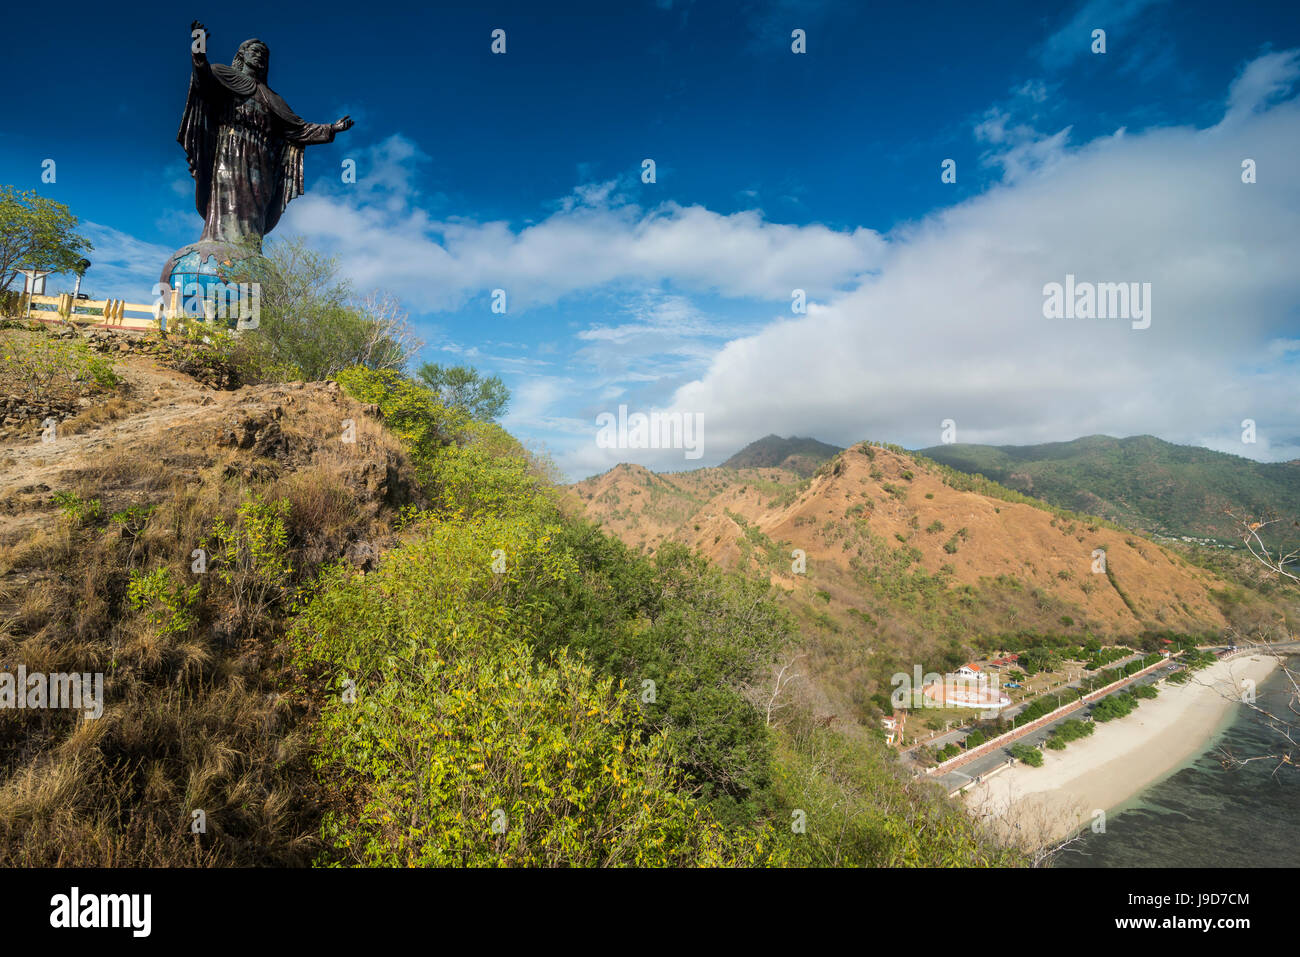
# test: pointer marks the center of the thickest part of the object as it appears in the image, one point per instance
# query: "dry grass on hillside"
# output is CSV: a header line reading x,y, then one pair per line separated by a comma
x,y
197,717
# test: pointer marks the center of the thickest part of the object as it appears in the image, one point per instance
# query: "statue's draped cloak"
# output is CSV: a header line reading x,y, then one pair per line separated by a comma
x,y
217,93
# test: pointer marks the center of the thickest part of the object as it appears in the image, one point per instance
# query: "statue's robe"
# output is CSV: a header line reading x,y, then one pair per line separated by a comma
x,y
244,147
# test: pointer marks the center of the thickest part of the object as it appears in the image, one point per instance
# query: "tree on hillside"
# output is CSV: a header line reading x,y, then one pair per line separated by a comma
x,y
462,387
37,233
1039,658
311,322
1281,560
1277,559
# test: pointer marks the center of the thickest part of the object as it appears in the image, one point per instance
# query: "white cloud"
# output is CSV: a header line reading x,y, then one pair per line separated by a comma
x,y
952,325
122,267
1009,130
1264,79
594,239
532,403
1074,38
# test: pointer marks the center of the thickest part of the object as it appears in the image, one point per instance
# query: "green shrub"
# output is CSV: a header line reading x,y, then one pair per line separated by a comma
x,y
167,603
250,558
45,365
1113,706
1030,756
77,510
1067,731
861,812
456,718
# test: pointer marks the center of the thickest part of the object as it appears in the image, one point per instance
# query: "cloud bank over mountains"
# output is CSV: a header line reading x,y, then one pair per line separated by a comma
x,y
953,326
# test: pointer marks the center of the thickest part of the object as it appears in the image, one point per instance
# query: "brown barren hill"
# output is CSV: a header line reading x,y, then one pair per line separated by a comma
x,y
885,534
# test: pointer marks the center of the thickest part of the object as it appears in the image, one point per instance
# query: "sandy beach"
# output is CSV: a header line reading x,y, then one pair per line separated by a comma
x,y
1121,758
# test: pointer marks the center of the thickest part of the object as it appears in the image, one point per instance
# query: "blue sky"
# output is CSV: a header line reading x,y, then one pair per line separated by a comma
x,y
775,171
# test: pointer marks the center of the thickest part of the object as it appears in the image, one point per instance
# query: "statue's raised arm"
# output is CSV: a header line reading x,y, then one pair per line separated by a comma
x,y
199,37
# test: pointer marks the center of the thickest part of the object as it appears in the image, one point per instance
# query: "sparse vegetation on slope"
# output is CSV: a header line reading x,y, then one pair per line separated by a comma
x,y
397,648
909,562
100,538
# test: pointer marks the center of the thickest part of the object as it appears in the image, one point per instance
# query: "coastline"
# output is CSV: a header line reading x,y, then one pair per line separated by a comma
x,y
1035,806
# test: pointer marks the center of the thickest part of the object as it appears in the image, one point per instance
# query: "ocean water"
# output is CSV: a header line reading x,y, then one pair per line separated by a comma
x,y
1204,815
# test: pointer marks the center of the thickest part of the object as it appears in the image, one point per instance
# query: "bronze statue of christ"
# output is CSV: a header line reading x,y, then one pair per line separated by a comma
x,y
244,147
243,143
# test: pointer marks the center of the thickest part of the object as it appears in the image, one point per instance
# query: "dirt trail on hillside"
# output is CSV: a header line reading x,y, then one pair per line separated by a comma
x,y
30,469
168,397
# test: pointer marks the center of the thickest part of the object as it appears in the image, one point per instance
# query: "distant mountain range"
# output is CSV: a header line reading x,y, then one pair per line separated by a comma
x,y
874,508
1141,482
798,455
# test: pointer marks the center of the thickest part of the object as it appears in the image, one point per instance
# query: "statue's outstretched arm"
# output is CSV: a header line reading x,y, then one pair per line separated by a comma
x,y
311,134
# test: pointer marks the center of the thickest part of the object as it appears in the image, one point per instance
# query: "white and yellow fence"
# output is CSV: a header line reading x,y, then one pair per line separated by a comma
x,y
112,313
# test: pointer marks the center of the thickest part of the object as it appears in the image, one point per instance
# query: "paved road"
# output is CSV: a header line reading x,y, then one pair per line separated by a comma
x,y
985,763
998,756
957,734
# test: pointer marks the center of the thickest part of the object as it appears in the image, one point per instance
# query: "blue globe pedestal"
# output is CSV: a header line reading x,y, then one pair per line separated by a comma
x,y
203,271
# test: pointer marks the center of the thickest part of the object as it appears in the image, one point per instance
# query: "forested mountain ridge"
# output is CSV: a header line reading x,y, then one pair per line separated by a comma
x,y
1142,482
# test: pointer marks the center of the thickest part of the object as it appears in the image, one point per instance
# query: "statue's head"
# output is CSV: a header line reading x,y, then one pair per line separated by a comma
x,y
253,58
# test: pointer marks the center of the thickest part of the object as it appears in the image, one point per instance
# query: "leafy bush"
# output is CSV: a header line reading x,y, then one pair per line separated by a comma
x,y
456,718
77,510
1114,706
1067,731
167,603
133,518
311,322
44,365
251,559
862,811
208,349
1044,704
1104,656
1030,756
410,410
